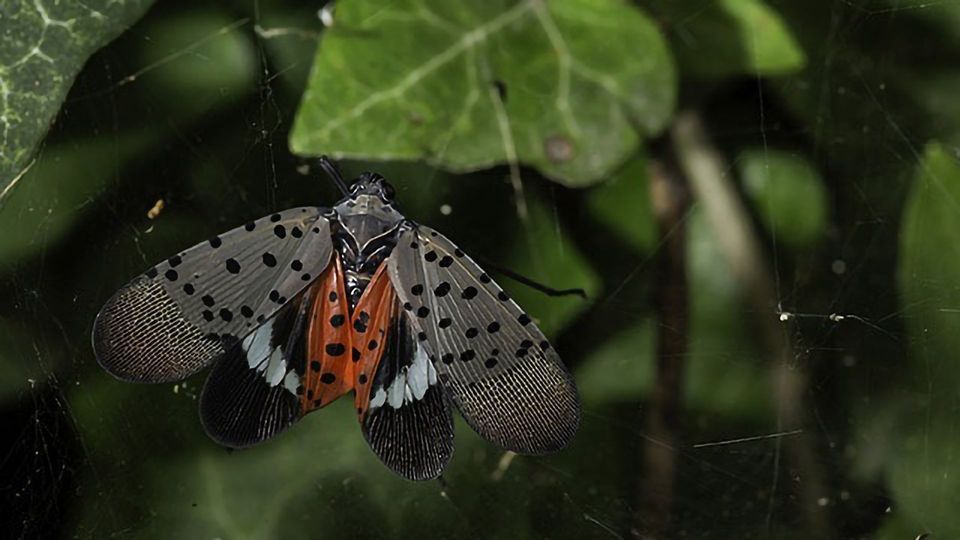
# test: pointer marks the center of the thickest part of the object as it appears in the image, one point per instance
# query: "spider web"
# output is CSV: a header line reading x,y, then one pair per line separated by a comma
x,y
87,456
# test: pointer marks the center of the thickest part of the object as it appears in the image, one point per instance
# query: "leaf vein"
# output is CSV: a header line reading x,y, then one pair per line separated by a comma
x,y
469,40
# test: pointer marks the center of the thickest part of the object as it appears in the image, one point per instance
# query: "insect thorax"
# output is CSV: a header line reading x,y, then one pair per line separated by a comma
x,y
364,231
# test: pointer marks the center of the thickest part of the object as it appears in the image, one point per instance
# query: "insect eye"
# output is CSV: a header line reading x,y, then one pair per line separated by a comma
x,y
387,192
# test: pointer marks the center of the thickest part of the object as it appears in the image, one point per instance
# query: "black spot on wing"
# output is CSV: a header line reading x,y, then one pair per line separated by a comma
x,y
217,283
522,399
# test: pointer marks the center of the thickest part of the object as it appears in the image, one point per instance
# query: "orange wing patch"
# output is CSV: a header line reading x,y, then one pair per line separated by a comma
x,y
329,370
375,312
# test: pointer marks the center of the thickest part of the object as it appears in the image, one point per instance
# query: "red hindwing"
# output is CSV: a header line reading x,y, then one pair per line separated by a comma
x,y
375,312
329,368
343,352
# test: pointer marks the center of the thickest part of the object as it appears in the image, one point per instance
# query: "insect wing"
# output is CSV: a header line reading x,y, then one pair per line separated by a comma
x,y
173,320
408,423
252,391
492,360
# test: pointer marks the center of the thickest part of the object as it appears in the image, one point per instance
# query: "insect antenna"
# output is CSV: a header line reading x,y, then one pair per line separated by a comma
x,y
536,285
328,167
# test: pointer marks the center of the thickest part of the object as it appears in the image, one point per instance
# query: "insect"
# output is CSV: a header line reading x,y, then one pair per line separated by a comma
x,y
300,307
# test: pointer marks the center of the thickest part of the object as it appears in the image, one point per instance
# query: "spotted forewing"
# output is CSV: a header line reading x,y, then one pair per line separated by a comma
x,y
492,361
183,313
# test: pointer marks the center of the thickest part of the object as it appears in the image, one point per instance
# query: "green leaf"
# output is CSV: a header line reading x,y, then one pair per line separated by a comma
x,y
565,86
623,204
925,472
45,43
729,37
930,266
788,195
925,475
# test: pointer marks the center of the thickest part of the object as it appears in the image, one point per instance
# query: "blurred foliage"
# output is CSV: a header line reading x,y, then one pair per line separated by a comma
x,y
788,196
837,121
193,53
45,208
728,37
622,203
17,343
923,461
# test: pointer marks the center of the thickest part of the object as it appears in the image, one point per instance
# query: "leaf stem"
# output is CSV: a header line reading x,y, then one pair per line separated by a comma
x,y
670,200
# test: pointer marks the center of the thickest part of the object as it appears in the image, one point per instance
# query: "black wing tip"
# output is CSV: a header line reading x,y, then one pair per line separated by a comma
x,y
215,429
424,474
416,456
238,409
215,433
538,443
421,475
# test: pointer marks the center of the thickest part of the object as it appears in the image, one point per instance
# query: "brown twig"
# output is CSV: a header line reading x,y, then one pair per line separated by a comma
x,y
706,170
670,201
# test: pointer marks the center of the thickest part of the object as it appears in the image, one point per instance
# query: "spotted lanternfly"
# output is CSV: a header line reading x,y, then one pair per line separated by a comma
x,y
300,307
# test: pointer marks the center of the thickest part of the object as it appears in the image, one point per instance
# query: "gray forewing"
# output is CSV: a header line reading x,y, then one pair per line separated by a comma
x,y
174,319
492,360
